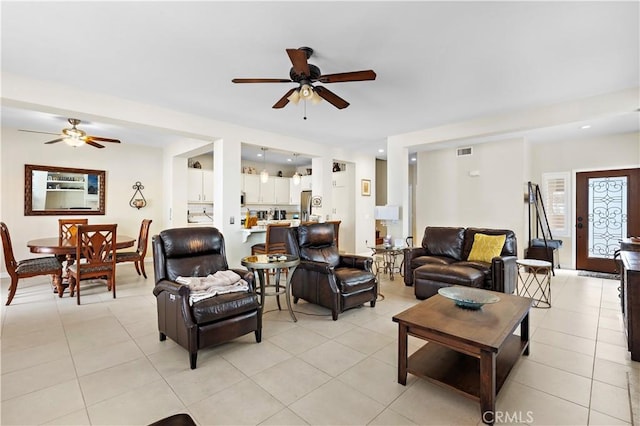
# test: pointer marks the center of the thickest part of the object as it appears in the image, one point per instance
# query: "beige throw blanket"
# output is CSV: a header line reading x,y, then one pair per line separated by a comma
x,y
221,282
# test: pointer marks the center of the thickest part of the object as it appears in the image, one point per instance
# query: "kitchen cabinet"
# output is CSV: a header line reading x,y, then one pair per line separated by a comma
x,y
281,190
340,179
295,190
268,191
294,193
200,185
251,188
305,183
257,192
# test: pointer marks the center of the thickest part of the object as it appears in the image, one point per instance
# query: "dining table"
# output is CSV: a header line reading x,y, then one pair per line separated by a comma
x,y
65,249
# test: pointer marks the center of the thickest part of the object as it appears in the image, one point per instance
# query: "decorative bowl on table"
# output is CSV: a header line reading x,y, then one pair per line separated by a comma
x,y
468,298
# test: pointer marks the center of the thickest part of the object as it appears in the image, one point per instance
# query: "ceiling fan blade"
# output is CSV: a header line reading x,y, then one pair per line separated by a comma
x,y
98,138
35,131
55,141
90,142
261,80
283,100
331,97
348,76
299,60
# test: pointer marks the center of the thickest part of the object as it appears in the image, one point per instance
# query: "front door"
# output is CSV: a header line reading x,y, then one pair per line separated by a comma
x,y
606,211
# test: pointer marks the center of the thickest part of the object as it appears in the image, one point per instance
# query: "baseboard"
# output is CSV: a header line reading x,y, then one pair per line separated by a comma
x,y
634,395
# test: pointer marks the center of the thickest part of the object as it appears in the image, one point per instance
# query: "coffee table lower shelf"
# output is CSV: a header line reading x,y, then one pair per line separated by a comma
x,y
461,372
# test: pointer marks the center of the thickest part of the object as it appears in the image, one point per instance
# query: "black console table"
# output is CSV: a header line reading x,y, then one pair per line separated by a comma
x,y
630,276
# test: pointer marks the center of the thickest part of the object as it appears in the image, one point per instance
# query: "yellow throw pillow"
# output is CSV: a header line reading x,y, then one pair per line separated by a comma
x,y
486,247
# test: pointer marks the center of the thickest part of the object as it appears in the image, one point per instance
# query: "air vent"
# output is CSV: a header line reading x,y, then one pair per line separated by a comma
x,y
461,152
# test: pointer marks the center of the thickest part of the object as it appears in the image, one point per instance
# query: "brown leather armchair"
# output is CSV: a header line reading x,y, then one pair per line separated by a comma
x,y
198,252
326,278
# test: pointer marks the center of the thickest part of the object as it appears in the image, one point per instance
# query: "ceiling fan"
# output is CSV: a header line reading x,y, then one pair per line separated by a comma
x,y
75,136
306,74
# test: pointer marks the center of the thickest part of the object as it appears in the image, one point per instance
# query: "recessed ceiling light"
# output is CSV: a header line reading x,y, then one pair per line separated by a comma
x,y
381,150
289,160
259,154
586,126
413,158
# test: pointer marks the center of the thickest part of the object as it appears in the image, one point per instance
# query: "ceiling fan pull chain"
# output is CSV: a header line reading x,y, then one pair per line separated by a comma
x,y
305,108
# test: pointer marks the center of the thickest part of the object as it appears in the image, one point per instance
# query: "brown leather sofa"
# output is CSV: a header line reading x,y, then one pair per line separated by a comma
x,y
325,277
198,252
441,261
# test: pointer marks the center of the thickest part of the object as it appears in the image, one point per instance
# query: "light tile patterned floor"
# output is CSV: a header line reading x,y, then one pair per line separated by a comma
x,y
101,363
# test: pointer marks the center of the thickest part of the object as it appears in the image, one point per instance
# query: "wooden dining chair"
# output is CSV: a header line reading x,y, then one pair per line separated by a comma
x,y
49,265
68,228
96,247
137,257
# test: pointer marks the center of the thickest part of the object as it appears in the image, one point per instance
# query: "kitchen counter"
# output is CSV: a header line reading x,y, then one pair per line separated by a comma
x,y
246,233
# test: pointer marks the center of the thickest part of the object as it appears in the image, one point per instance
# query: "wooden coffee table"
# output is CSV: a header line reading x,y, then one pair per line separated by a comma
x,y
471,352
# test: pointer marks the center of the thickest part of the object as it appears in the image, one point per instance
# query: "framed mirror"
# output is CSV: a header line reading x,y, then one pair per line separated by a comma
x,y
54,191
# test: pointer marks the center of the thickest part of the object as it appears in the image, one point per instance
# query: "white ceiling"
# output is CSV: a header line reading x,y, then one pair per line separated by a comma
x,y
436,62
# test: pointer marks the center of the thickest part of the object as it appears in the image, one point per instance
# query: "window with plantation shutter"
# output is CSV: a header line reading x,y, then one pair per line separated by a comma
x,y
555,190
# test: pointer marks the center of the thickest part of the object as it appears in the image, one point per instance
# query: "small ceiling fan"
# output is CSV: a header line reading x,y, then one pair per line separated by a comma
x,y
306,74
75,136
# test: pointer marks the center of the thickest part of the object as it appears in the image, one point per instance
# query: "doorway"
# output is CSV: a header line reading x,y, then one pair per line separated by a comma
x,y
606,211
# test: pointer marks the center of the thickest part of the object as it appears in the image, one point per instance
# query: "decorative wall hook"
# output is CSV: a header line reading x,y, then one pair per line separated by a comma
x,y
139,201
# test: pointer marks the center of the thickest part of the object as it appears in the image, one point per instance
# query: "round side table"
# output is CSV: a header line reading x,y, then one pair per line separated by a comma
x,y
535,281
261,262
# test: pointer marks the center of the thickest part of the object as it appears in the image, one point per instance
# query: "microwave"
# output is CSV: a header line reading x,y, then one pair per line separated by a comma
x,y
242,196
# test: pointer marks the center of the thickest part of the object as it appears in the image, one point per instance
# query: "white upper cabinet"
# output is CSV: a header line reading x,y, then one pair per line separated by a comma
x,y
294,193
295,190
305,183
340,179
268,191
274,191
200,185
281,189
251,188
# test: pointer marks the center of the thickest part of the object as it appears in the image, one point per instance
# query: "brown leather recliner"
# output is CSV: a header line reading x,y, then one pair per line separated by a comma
x,y
198,252
326,278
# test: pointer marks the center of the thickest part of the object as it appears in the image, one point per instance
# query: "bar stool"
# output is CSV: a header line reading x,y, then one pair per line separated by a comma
x,y
273,243
535,281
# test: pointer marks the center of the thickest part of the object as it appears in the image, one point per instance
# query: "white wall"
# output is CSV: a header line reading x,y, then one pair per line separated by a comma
x,y
591,153
447,196
124,165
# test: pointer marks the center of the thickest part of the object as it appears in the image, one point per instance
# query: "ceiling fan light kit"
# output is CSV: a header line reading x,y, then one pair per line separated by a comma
x,y
75,137
74,142
305,74
294,97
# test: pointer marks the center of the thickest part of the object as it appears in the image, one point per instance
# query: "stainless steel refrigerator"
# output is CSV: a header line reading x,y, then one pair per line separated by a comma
x,y
305,205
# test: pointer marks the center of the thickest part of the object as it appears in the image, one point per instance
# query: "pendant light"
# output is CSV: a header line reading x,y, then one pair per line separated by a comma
x,y
264,174
296,175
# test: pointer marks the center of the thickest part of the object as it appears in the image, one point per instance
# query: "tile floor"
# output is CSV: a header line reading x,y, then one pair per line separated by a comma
x,y
101,363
